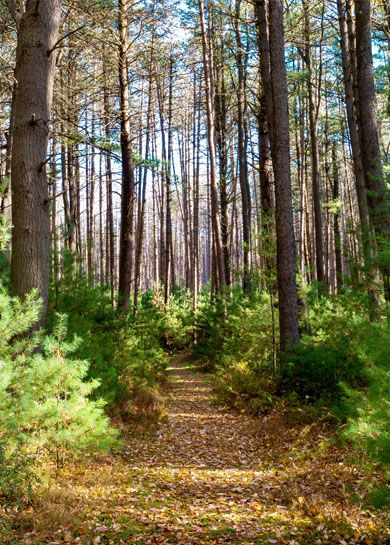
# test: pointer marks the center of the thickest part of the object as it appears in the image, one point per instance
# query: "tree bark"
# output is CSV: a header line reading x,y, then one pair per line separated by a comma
x,y
316,177
352,121
128,182
34,73
242,137
215,213
378,197
288,307
336,224
221,109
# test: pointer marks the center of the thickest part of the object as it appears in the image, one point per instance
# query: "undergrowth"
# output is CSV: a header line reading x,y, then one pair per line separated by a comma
x,y
341,365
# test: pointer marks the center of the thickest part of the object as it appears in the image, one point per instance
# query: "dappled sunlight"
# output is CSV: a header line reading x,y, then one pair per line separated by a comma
x,y
209,477
197,416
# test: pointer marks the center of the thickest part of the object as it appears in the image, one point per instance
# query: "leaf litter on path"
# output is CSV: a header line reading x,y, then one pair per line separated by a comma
x,y
207,476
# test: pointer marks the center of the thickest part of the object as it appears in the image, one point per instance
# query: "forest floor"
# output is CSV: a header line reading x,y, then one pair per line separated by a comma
x,y
205,475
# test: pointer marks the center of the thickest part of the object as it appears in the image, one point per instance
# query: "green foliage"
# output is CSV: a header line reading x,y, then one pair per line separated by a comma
x,y
44,397
368,409
331,352
244,388
140,358
16,477
380,497
344,362
141,354
334,206
236,338
210,328
172,323
126,353
316,370
98,326
236,326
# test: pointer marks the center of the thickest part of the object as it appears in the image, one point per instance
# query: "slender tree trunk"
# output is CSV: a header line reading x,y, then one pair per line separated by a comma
x,y
265,119
8,155
242,138
264,166
348,56
336,225
288,307
316,177
128,183
352,121
169,274
220,101
55,270
196,168
91,213
220,276
265,69
110,251
141,212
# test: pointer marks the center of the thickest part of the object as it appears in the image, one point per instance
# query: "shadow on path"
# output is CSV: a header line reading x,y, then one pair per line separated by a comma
x,y
206,476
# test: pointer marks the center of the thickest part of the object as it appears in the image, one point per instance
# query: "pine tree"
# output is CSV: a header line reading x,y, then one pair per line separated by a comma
x,y
44,395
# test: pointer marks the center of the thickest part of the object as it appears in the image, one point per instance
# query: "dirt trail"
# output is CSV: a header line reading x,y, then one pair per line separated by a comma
x,y
205,476
198,434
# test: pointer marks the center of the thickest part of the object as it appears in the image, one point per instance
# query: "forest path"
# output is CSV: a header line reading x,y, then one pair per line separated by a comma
x,y
205,476
198,435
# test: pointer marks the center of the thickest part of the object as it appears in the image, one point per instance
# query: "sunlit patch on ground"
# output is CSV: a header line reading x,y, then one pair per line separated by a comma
x,y
205,476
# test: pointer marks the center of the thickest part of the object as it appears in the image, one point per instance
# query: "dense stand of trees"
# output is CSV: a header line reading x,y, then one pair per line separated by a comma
x,y
187,145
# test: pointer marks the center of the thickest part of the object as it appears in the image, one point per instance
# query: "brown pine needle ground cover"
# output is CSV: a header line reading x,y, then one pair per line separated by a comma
x,y
207,476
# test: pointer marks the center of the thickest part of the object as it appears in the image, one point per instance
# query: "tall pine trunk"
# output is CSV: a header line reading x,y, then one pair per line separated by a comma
x,y
218,262
128,183
34,73
242,137
378,196
288,307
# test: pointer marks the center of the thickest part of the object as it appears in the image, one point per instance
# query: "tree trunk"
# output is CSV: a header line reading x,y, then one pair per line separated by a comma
x,y
378,197
265,69
110,238
128,183
34,73
316,178
215,213
220,101
288,307
336,224
351,118
142,203
242,137
349,73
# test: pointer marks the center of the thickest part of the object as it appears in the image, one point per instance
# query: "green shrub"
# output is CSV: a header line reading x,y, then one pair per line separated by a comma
x,y
313,371
140,358
210,330
331,353
126,353
44,397
243,388
368,409
237,339
98,326
345,363
172,323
